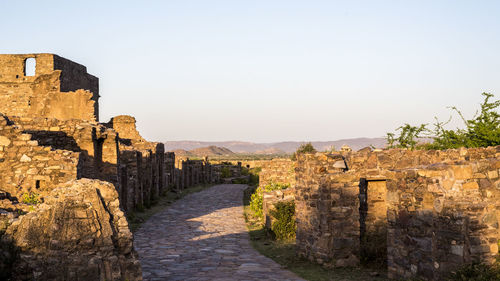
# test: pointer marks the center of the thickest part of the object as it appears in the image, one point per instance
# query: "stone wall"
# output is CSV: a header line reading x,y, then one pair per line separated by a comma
x,y
441,217
327,215
277,171
169,165
343,200
26,166
59,89
141,165
195,172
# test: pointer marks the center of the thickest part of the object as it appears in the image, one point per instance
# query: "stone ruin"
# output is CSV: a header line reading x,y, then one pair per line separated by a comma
x,y
66,179
430,211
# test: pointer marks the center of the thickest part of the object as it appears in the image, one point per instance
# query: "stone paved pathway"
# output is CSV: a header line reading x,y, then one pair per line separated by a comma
x,y
203,237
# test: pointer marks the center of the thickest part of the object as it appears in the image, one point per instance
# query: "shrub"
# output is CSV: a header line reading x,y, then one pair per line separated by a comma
x,y
254,175
225,172
476,272
408,137
303,148
284,225
244,171
481,131
31,198
257,197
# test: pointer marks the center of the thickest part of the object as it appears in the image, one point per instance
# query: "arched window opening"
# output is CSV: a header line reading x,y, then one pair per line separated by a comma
x,y
30,67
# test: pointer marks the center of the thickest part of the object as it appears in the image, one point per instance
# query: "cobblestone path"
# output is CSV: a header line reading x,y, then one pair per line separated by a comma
x,y
203,237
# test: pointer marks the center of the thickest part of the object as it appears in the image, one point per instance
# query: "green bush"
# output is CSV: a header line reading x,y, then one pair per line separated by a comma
x,y
284,225
244,171
476,272
254,175
481,131
303,148
31,198
257,197
225,172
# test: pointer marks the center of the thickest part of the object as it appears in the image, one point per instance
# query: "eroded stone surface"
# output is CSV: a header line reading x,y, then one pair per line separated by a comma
x,y
203,237
78,233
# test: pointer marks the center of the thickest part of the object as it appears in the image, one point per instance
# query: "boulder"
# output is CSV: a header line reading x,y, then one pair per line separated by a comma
x,y
78,233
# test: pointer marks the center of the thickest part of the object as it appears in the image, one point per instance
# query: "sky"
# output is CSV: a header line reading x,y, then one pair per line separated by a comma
x,y
270,70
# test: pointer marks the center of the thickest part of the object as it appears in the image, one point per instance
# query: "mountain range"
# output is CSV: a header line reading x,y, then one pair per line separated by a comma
x,y
275,147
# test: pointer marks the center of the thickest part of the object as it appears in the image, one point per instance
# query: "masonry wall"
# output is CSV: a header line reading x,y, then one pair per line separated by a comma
x,y
341,198
97,144
327,215
59,89
141,171
441,217
277,171
195,172
28,167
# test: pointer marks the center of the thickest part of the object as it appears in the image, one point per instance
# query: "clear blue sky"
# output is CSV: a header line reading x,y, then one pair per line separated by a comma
x,y
270,70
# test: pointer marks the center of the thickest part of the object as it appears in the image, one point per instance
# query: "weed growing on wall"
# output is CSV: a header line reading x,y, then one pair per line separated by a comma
x,y
31,198
284,225
257,197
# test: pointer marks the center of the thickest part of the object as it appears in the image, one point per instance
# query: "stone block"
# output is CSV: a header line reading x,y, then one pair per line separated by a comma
x,y
462,172
4,141
470,185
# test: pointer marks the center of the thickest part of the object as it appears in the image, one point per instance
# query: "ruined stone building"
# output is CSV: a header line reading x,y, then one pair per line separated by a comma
x,y
431,212
51,144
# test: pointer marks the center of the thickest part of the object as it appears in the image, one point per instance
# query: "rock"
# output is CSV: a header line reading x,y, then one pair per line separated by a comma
x,y
4,141
78,233
340,164
25,158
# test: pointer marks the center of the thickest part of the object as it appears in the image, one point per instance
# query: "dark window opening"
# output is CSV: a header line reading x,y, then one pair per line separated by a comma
x,y
37,184
30,67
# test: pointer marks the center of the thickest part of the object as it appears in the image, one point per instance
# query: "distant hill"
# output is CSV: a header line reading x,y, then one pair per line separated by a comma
x,y
211,151
268,148
203,151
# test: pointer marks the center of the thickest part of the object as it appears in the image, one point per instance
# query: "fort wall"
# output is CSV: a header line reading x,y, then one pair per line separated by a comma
x,y
345,200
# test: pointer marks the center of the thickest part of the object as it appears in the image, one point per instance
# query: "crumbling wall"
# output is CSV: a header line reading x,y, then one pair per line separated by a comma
x,y
125,126
195,172
326,209
97,144
342,198
78,233
441,217
28,167
142,164
59,88
169,165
